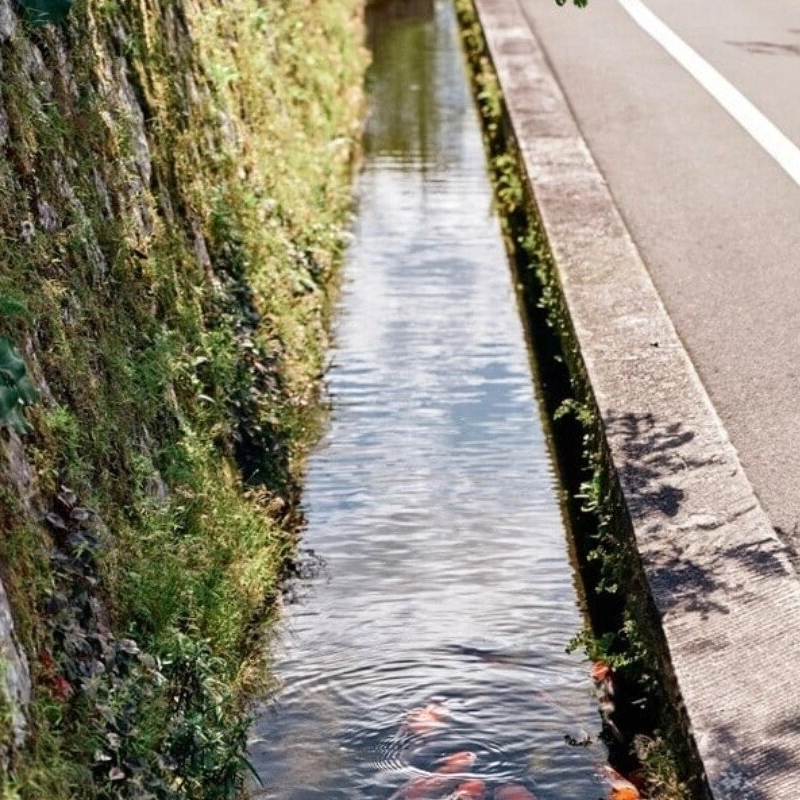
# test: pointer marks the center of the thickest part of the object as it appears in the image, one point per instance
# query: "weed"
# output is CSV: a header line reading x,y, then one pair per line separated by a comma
x,y
12,306
16,389
183,175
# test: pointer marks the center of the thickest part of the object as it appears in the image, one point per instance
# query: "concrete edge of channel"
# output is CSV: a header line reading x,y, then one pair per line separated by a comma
x,y
723,584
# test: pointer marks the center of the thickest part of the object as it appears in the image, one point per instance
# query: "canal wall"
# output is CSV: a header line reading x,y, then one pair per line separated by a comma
x,y
679,522
175,193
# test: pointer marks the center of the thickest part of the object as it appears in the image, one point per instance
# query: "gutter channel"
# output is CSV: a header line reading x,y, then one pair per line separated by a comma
x,y
685,551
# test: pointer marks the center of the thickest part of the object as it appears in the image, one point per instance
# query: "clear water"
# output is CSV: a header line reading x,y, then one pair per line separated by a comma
x,y
432,500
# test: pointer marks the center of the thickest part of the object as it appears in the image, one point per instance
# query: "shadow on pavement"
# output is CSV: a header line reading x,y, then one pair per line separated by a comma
x,y
689,569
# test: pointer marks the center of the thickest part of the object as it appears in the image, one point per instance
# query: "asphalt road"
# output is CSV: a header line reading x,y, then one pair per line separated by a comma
x,y
716,219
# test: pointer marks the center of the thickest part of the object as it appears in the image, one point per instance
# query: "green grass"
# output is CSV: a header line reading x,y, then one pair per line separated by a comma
x,y
168,279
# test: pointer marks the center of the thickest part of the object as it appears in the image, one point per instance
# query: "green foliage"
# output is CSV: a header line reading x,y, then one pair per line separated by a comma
x,y
507,185
582,412
578,3
205,738
660,768
624,650
16,389
179,324
42,12
12,306
597,648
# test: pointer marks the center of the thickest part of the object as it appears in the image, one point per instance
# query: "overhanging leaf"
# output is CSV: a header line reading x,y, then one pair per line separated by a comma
x,y
27,391
17,421
42,12
9,400
16,388
13,307
11,363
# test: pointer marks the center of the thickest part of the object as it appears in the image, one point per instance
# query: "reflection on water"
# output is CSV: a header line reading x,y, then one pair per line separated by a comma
x,y
439,622
409,106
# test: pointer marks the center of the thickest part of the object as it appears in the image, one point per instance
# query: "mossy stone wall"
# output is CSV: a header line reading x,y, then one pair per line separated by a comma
x,y
175,183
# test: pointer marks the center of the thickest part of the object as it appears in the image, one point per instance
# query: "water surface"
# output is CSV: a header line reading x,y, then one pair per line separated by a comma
x,y
432,499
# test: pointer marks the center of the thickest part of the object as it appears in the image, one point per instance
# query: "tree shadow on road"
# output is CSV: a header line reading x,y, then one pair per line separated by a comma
x,y
651,457
688,568
744,777
768,48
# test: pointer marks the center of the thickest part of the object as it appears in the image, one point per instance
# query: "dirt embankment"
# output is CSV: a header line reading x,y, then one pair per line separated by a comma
x,y
174,193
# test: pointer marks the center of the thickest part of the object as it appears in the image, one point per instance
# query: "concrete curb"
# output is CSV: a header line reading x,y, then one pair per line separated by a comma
x,y
723,584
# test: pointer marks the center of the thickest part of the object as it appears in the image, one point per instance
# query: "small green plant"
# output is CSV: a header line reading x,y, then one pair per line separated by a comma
x,y
42,12
660,767
508,186
11,306
624,650
16,389
597,648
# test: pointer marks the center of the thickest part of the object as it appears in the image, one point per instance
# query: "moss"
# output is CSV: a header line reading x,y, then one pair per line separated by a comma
x,y
622,628
174,195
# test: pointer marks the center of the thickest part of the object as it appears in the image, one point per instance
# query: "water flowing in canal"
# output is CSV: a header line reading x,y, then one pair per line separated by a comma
x,y
438,621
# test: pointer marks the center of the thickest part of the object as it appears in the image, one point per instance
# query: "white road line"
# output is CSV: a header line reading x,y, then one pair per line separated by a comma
x,y
766,133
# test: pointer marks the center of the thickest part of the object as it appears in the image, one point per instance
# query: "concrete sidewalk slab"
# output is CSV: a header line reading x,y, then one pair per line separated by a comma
x,y
723,584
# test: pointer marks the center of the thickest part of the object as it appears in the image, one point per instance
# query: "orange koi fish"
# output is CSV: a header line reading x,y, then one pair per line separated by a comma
x,y
473,789
424,788
424,719
600,671
456,762
621,788
512,791
603,677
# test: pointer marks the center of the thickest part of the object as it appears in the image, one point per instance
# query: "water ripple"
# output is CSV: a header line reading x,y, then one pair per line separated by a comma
x,y
440,620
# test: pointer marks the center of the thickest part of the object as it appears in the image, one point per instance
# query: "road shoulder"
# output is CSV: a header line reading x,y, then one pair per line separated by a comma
x,y
724,586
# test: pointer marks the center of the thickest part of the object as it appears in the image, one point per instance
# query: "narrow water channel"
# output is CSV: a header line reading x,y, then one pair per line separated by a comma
x,y
439,618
